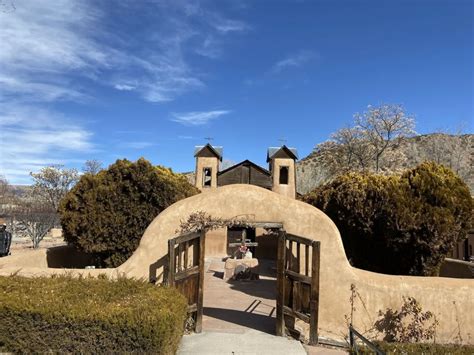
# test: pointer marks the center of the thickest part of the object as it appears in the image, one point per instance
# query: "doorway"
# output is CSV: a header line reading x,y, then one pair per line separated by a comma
x,y
293,282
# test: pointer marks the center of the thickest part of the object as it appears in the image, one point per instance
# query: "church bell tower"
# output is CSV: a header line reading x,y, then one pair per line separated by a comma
x,y
282,167
207,166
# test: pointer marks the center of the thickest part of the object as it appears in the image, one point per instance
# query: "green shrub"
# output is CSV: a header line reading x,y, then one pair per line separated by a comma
x,y
86,315
106,214
398,224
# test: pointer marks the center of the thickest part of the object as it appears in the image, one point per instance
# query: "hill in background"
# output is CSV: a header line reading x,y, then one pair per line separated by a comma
x,y
454,151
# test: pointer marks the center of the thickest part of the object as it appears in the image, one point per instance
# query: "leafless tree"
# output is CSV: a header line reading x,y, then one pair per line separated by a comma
x,y
5,190
7,199
92,167
383,127
35,219
53,182
375,133
355,149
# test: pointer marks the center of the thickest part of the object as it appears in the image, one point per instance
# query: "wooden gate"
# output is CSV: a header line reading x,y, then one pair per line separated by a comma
x,y
186,271
297,284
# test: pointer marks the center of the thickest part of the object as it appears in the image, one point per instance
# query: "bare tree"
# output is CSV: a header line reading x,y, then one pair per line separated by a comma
x,y
376,132
5,190
7,200
53,182
383,127
35,219
92,167
354,148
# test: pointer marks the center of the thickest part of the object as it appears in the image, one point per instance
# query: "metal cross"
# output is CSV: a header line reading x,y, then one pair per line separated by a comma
x,y
282,140
209,139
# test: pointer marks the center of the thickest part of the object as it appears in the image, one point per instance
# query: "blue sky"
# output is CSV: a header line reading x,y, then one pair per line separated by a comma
x,y
122,79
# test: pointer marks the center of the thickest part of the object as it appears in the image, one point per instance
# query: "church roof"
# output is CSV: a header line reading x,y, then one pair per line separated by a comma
x,y
245,162
214,149
291,152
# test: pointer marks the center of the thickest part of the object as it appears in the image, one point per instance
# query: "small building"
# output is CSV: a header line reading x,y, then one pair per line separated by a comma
x,y
280,177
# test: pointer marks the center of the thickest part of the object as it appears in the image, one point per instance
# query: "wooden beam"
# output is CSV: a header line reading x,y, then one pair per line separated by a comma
x,y
171,262
199,312
280,299
295,238
185,273
306,260
186,237
267,225
186,251
298,277
290,312
314,297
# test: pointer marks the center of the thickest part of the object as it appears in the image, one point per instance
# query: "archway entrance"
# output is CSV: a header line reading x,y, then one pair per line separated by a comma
x,y
295,287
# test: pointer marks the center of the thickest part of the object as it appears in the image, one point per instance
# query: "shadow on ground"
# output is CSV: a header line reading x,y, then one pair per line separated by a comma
x,y
258,322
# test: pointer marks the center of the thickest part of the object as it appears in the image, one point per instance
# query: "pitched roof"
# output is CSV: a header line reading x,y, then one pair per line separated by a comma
x,y
248,162
216,150
272,151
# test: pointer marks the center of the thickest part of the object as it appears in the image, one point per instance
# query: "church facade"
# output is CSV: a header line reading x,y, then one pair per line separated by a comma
x,y
280,177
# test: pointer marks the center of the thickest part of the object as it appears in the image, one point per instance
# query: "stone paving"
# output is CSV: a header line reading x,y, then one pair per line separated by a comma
x,y
239,317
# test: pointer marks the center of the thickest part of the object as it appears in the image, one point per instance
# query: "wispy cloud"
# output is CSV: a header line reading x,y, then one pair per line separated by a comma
x,y
209,48
224,25
44,42
198,118
53,50
31,138
295,60
125,87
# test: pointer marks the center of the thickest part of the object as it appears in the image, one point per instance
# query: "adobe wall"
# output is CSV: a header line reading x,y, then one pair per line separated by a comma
x,y
452,300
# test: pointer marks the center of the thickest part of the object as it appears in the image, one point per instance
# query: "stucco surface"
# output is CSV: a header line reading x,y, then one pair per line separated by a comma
x,y
452,300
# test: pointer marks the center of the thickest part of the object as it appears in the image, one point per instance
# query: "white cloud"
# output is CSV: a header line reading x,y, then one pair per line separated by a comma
x,y
227,25
125,87
53,50
198,118
294,60
44,42
31,138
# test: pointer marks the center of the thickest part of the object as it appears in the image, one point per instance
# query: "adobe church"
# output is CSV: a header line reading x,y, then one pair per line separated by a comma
x,y
279,178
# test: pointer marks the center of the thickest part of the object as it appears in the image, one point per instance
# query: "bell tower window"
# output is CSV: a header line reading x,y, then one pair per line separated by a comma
x,y
206,177
283,175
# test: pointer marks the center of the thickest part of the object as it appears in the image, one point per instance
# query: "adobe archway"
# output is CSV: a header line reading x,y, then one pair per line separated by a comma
x,y
377,290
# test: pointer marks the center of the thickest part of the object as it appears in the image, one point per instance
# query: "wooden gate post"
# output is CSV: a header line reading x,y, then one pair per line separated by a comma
x,y
314,298
171,263
280,318
199,311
